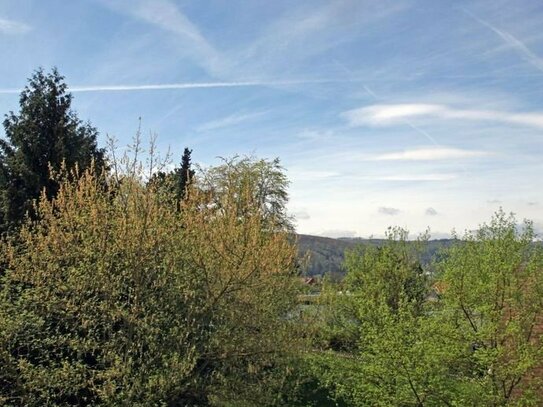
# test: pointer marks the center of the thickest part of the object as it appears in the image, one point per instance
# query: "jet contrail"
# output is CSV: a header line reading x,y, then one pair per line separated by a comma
x,y
185,85
526,53
411,125
422,132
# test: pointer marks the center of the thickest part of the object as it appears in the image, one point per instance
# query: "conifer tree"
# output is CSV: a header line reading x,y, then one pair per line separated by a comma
x,y
43,135
184,174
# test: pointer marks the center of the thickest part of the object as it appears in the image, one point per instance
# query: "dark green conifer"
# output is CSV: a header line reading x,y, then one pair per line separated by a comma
x,y
184,174
43,134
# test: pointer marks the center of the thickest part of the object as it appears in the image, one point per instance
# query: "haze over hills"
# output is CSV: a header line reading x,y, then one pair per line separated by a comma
x,y
325,255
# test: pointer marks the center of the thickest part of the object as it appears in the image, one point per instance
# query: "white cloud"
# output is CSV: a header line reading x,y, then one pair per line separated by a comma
x,y
314,135
13,27
300,174
391,114
384,114
430,154
307,29
301,215
310,175
170,86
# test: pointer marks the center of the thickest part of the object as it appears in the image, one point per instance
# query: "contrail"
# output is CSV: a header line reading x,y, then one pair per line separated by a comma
x,y
352,79
408,122
185,85
422,132
526,53
370,92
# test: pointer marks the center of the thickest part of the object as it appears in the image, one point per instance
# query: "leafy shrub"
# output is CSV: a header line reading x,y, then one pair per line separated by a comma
x,y
116,297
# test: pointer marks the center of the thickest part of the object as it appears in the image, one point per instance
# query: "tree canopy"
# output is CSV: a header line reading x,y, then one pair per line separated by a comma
x,y
264,179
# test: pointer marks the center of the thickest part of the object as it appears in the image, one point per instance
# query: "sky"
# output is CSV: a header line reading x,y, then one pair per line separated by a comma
x,y
415,113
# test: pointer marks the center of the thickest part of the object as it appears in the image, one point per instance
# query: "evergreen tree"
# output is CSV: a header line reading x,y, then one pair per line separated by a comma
x,y
45,133
184,174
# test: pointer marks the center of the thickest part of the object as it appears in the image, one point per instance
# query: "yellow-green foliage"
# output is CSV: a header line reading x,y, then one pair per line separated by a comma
x,y
493,291
116,297
474,338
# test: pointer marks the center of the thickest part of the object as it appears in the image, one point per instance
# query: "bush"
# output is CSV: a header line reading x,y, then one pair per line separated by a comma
x,y
116,297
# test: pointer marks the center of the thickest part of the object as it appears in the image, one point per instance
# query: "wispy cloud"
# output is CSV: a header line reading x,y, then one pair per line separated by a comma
x,y
430,154
314,175
389,113
228,121
392,114
511,41
13,27
413,177
310,175
385,210
283,43
423,133
306,30
165,15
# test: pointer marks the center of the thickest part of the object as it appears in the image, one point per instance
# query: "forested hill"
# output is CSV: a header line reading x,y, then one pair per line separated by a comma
x,y
326,254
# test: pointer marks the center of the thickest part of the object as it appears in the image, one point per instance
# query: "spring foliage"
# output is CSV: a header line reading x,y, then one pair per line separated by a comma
x,y
118,296
181,289
474,336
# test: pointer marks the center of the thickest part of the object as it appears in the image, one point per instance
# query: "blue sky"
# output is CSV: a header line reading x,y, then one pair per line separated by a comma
x,y
409,113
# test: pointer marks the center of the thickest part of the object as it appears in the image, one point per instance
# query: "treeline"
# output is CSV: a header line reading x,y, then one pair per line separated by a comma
x,y
125,284
326,256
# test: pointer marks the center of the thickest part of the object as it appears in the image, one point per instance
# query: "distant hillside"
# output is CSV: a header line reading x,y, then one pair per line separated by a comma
x,y
326,254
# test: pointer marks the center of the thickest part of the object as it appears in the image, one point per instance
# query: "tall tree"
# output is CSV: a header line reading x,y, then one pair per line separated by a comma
x,y
184,174
268,185
382,345
44,134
